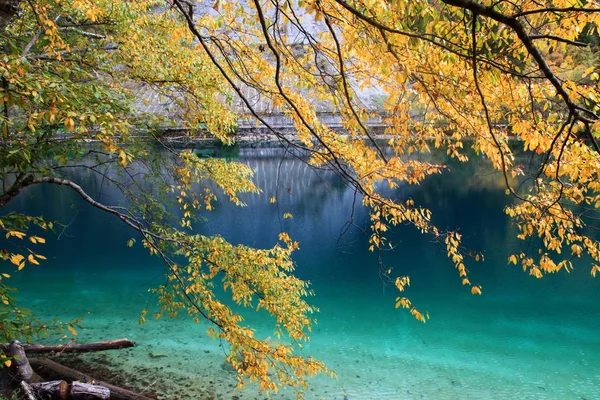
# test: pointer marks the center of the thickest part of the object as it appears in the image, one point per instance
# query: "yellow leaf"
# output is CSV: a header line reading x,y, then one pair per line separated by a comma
x,y
16,259
7,363
512,259
17,234
476,290
72,330
418,315
123,158
32,259
69,124
37,239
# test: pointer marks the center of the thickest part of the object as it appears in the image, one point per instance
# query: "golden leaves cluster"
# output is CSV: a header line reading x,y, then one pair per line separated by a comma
x,y
439,87
258,279
420,56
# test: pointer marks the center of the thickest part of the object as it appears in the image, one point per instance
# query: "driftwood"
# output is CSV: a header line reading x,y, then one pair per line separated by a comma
x,y
61,390
85,391
58,390
75,347
42,365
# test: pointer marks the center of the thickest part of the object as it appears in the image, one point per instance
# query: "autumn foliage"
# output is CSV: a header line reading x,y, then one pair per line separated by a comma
x,y
459,75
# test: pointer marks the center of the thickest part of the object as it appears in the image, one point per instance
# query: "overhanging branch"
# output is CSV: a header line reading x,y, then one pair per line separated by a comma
x,y
526,39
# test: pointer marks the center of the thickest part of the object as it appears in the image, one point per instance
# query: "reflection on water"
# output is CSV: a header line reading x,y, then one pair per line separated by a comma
x,y
524,338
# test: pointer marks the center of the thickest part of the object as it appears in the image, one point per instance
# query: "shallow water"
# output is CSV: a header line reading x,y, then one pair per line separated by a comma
x,y
524,338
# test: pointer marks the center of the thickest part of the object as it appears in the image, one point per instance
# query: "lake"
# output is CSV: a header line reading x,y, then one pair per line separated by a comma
x,y
524,338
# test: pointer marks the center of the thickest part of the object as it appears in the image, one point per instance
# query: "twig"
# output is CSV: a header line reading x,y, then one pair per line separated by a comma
x,y
27,391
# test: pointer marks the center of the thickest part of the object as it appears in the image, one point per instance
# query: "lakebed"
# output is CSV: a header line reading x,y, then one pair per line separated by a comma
x,y
523,338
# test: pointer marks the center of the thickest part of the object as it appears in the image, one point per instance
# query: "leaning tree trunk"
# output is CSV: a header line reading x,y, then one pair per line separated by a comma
x,y
8,8
20,369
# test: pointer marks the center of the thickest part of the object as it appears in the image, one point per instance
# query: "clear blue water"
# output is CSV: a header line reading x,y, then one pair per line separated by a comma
x,y
524,338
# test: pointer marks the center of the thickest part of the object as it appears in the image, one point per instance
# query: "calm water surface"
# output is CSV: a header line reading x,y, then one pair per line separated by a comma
x,y
524,338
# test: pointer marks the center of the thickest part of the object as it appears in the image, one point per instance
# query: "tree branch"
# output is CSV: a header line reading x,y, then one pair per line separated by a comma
x,y
555,10
527,41
17,187
33,40
58,181
91,35
558,39
346,86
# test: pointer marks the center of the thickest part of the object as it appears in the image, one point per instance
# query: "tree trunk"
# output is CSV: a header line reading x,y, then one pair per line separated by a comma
x,y
44,366
20,369
8,8
81,348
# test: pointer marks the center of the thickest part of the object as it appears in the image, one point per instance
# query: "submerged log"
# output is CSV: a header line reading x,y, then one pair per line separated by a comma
x,y
58,390
81,348
42,365
85,391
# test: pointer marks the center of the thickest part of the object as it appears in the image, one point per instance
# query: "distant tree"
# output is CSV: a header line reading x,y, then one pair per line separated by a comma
x,y
452,74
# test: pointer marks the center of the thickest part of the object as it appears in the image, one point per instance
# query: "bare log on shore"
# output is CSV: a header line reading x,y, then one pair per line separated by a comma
x,y
61,390
85,391
42,365
75,347
51,390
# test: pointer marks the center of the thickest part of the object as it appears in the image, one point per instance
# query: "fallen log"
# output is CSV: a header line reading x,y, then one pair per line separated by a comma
x,y
43,365
76,347
58,390
85,391
61,390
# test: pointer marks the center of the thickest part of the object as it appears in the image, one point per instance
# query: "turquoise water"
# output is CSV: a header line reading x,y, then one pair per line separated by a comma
x,y
524,338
